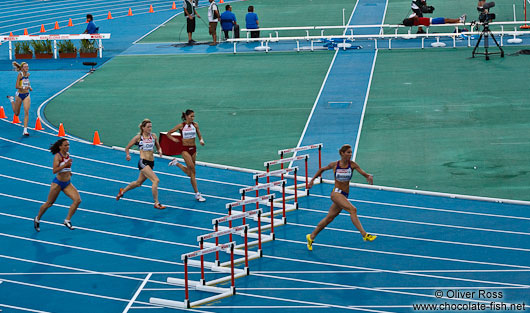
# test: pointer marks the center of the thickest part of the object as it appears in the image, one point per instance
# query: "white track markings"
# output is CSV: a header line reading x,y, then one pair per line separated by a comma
x,y
137,293
21,308
419,238
79,271
103,231
124,166
111,197
425,223
375,270
90,250
115,180
314,195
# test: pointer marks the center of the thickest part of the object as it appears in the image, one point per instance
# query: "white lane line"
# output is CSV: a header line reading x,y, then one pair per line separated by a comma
x,y
104,232
82,270
137,293
91,250
420,239
116,181
375,270
426,223
406,254
107,196
428,208
316,304
315,195
21,308
124,166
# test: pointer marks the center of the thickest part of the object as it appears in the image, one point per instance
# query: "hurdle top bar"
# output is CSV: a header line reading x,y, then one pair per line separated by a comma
x,y
232,217
207,250
286,160
248,201
222,232
262,186
310,147
276,172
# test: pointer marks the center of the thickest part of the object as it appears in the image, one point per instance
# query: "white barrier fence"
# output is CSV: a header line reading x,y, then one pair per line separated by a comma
x,y
54,38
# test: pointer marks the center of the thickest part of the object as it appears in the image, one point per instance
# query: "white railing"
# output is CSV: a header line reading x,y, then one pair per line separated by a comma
x,y
54,38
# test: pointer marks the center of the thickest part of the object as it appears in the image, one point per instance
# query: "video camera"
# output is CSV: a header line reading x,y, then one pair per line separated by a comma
x,y
427,8
485,16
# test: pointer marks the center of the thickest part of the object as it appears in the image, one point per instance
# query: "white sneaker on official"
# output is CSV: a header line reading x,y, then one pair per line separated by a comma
x,y
174,162
199,197
463,18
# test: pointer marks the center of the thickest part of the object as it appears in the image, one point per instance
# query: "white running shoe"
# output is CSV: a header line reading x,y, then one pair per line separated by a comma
x,y
199,197
174,162
463,18
25,132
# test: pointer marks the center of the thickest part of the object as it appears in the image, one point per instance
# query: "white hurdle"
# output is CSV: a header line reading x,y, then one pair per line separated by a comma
x,y
257,201
281,174
304,157
318,146
199,285
278,184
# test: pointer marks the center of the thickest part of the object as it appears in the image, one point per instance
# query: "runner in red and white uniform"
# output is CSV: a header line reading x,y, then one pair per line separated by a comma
x,y
189,131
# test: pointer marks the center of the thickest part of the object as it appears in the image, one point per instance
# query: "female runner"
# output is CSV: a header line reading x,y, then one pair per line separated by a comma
x,y
343,170
22,95
62,166
189,130
146,142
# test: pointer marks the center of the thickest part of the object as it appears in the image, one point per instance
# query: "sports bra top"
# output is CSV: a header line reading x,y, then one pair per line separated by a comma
x,y
24,81
62,161
189,131
146,144
343,174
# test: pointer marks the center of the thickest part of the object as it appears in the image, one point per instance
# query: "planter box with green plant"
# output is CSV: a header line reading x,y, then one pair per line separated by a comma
x,y
22,50
67,49
88,49
43,49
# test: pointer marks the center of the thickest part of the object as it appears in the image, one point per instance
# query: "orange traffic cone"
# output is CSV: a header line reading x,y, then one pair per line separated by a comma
x,y
25,31
151,9
15,119
70,24
221,1
174,7
130,12
10,34
38,126
96,140
109,17
61,131
2,113
56,25
42,30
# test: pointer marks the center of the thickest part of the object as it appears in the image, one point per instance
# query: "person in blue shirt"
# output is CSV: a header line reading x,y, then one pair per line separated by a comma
x,y
228,20
90,27
252,22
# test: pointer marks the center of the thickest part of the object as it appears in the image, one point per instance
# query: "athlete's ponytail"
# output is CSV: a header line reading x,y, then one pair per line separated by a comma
x,y
184,114
18,67
142,125
56,147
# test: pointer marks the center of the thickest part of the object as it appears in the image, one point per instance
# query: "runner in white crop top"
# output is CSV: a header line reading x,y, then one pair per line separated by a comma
x,y
343,170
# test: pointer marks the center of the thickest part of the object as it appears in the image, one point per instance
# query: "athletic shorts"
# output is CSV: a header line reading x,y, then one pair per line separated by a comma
x,y
437,20
213,28
62,184
190,149
344,193
143,163
190,25
22,96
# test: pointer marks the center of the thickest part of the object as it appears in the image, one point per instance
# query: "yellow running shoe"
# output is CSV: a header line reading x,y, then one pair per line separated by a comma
x,y
309,242
369,237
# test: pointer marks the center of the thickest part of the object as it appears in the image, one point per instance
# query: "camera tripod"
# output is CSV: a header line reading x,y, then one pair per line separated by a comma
x,y
486,32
